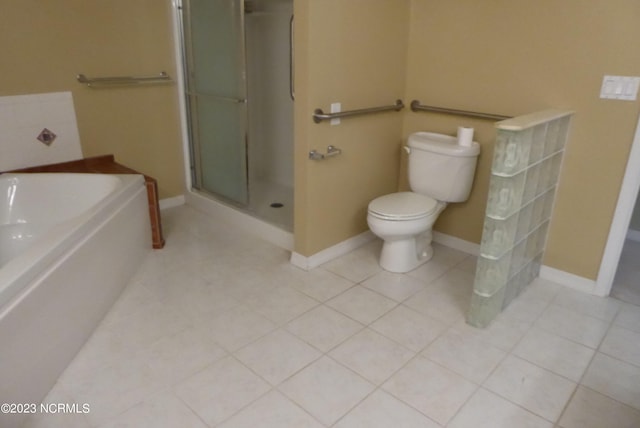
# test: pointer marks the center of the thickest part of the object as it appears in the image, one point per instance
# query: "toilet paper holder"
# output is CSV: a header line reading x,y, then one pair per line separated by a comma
x,y
331,151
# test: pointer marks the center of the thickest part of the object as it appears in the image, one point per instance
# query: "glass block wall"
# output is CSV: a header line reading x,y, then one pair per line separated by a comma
x,y
526,164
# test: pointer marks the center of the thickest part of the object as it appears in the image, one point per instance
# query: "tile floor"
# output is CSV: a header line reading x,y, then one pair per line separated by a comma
x,y
219,330
626,285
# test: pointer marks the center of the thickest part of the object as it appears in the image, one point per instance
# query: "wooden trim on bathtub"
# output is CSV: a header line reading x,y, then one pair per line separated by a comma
x,y
106,164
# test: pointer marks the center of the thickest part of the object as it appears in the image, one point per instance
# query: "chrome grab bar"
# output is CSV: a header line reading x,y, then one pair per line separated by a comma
x,y
163,77
319,115
416,106
331,151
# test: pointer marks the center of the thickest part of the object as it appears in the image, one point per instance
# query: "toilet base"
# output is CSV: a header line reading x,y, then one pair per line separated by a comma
x,y
404,255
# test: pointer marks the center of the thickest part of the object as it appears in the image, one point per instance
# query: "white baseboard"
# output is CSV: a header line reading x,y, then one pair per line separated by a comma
x,y
569,280
456,243
266,231
173,202
328,254
351,244
633,235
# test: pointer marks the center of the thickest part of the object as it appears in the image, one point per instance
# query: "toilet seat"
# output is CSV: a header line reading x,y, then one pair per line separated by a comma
x,y
402,206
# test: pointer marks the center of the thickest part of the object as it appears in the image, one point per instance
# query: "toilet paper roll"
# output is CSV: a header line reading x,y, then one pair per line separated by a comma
x,y
465,136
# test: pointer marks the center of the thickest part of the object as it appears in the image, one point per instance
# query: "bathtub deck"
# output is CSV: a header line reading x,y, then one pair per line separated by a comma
x,y
106,164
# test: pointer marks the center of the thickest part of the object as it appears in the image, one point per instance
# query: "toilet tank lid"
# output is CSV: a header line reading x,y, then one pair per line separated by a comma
x,y
441,143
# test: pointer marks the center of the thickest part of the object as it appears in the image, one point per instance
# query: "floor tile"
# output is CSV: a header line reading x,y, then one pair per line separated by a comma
x,y
372,355
468,264
318,283
444,258
237,327
622,344
525,308
362,304
133,298
433,390
149,324
247,281
455,281
542,289
395,286
409,328
534,388
113,389
487,410
277,356
359,264
273,410
281,304
626,286
590,409
587,304
176,357
465,355
103,349
174,282
554,353
501,333
381,410
430,271
198,300
219,329
57,420
629,317
615,379
324,328
580,328
220,390
161,411
326,390
443,305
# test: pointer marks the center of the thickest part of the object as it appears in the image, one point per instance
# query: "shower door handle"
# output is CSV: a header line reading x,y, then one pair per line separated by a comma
x,y
232,99
292,92
219,97
238,100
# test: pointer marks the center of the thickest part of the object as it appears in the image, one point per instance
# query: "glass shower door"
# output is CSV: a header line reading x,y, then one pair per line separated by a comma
x,y
217,96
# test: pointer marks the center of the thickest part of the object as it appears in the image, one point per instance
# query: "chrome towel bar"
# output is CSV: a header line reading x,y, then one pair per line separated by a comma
x,y
416,106
319,115
163,77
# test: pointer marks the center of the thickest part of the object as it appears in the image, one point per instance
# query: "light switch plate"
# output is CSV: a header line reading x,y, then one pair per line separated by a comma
x,y
620,87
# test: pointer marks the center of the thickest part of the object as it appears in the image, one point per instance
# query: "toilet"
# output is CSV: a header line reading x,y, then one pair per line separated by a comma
x,y
440,172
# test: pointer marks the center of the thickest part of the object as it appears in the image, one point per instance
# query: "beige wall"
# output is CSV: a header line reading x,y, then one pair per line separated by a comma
x,y
44,44
353,52
507,58
494,56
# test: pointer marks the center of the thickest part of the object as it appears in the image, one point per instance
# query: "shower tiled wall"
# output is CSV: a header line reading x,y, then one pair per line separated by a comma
x,y
524,175
24,117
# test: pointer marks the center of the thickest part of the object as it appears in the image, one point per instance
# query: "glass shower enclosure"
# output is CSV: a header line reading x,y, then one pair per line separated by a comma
x,y
237,58
217,96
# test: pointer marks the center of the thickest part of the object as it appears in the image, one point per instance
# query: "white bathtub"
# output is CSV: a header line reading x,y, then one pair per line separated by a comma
x,y
69,243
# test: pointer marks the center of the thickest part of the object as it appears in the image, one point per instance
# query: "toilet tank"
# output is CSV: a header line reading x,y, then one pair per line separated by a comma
x,y
440,168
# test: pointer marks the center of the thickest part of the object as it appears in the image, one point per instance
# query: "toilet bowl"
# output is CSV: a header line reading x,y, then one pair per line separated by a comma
x,y
404,221
440,171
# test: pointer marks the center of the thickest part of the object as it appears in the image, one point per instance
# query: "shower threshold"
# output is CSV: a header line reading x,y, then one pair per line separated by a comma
x,y
249,221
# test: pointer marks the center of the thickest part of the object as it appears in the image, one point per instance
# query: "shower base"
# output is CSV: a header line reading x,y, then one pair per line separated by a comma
x,y
272,202
240,217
